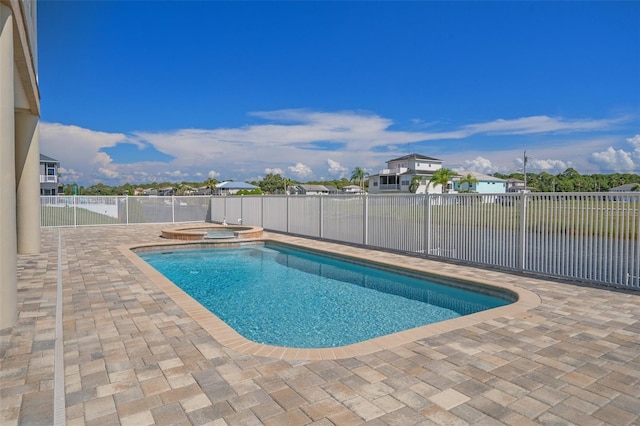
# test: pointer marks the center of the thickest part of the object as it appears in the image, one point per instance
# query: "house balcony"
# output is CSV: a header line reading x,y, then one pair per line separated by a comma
x,y
396,171
48,179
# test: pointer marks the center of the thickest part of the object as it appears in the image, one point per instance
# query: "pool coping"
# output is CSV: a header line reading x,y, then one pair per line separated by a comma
x,y
231,339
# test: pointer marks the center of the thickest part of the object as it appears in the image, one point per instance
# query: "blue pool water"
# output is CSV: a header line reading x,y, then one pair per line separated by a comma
x,y
280,296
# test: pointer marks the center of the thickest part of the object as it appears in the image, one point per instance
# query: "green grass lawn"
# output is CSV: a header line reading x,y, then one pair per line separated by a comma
x,y
594,218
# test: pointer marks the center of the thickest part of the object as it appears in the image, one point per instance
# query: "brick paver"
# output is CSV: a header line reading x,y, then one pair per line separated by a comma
x,y
133,355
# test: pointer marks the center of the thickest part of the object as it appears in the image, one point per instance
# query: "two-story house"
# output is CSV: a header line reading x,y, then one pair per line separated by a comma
x,y
397,177
49,184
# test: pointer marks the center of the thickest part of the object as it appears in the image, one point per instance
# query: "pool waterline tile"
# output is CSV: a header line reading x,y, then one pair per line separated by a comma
x,y
230,338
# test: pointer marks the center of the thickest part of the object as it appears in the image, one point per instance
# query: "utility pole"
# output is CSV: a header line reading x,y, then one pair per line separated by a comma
x,y
525,159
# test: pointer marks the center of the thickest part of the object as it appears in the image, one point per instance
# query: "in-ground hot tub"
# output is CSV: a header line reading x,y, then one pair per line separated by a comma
x,y
212,232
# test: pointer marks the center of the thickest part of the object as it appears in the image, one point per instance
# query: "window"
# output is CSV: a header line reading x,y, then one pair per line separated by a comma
x,y
375,183
406,182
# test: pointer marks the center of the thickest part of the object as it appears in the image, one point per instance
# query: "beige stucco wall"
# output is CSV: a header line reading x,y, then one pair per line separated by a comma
x,y
19,147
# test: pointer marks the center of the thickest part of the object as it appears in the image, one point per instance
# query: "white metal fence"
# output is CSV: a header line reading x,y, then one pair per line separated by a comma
x,y
115,210
588,237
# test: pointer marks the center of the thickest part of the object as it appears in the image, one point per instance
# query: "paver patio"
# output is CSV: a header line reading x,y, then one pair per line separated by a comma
x,y
132,355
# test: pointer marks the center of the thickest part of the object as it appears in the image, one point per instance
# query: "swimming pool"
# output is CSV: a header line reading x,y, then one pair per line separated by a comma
x,y
276,295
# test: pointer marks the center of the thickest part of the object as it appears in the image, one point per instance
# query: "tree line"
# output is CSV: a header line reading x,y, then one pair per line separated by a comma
x,y
568,181
572,181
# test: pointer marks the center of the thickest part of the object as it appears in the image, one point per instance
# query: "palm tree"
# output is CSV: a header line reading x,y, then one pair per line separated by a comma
x,y
358,175
415,184
469,180
442,177
211,183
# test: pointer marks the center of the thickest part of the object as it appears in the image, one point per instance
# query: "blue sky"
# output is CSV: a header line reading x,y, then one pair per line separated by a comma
x,y
169,91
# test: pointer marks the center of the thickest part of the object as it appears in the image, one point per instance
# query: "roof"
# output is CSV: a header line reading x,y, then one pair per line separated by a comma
x,y
480,176
626,187
316,188
235,185
47,159
416,157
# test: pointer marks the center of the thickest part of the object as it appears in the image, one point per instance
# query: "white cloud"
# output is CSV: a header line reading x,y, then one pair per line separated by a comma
x,y
354,139
486,166
479,164
105,167
108,173
102,158
335,169
614,159
78,149
213,174
70,174
276,171
300,170
619,160
549,166
538,124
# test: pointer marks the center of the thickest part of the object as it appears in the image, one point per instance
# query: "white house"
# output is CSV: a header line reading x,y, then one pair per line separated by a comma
x,y
203,190
485,184
352,189
304,189
515,185
227,188
627,187
49,184
397,177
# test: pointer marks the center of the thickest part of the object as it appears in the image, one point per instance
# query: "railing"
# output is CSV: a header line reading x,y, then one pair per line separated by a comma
x,y
389,186
121,210
394,171
48,179
592,238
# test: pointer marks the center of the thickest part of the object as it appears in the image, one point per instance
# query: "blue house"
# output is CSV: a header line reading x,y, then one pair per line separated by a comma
x,y
485,184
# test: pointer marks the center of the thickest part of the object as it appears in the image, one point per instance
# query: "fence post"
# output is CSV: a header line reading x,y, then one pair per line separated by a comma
x,y
365,219
523,232
75,214
224,214
126,206
427,225
287,215
262,211
321,230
